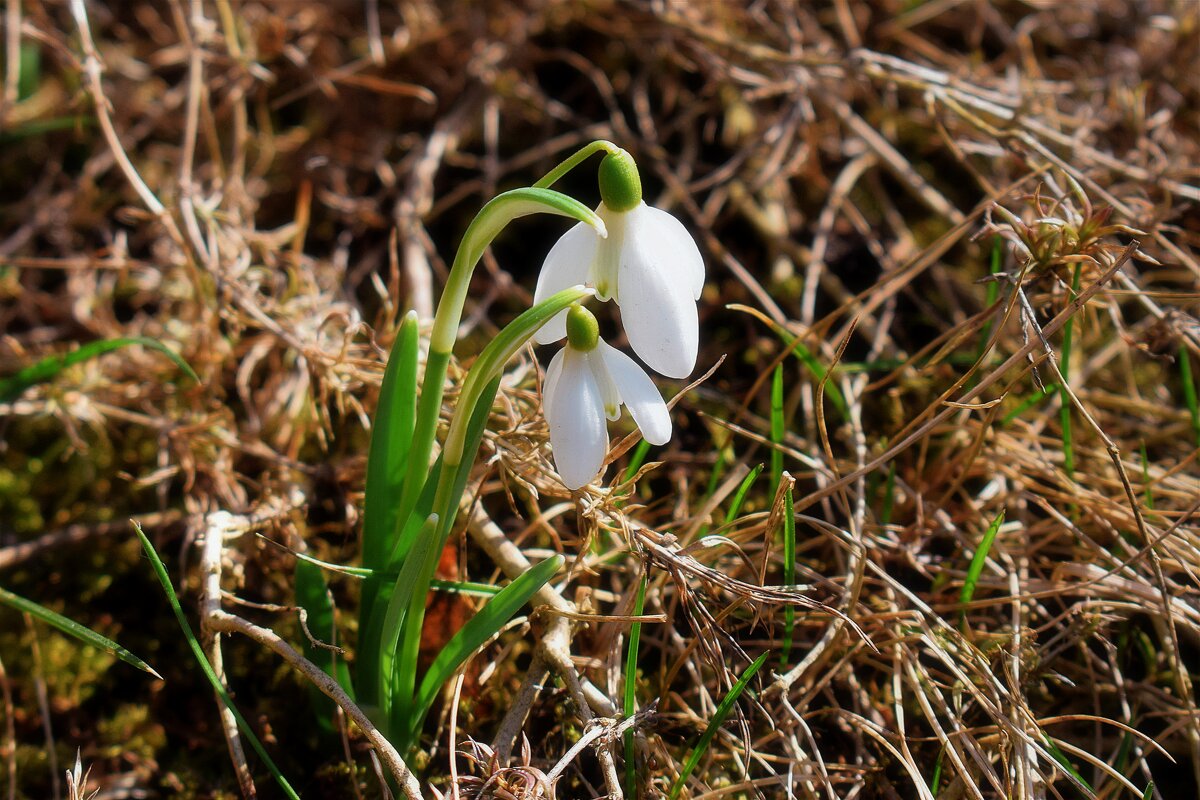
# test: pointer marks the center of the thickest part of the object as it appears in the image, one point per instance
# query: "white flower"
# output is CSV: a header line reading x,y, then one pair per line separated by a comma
x,y
649,264
585,387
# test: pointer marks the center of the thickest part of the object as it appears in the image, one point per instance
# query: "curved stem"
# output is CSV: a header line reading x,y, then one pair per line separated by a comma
x,y
571,162
483,229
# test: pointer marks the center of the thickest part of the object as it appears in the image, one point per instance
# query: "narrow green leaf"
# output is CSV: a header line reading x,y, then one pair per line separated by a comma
x,y
993,292
777,429
935,782
392,625
636,460
976,568
804,355
789,572
1149,793
165,581
469,588
1029,402
73,628
486,623
714,725
387,468
631,662
49,367
391,435
451,486
1064,397
1064,762
1190,397
313,596
739,497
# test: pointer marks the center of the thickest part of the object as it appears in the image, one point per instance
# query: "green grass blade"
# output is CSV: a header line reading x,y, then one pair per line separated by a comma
x,y
804,355
165,580
1029,402
993,293
789,572
1189,390
777,429
469,588
739,497
714,725
486,623
1064,762
1149,793
714,476
976,567
49,367
313,596
935,782
636,460
1064,397
631,661
73,628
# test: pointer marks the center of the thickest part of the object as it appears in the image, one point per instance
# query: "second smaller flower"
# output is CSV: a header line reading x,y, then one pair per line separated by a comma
x,y
587,382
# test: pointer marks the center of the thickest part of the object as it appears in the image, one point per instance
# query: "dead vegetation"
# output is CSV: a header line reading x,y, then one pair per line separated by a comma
x,y
946,222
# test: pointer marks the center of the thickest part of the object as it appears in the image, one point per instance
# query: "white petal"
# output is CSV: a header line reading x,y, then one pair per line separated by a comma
x,y
674,241
638,393
658,306
566,265
609,392
552,375
578,430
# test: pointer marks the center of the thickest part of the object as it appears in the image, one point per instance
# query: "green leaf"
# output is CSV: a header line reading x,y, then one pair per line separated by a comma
x,y
313,596
391,436
976,567
789,571
739,497
165,581
714,725
49,367
479,629
387,466
393,704
778,428
631,660
73,628
451,485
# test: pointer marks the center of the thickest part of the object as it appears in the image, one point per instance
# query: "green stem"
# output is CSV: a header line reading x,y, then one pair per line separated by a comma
x,y
406,609
492,218
581,155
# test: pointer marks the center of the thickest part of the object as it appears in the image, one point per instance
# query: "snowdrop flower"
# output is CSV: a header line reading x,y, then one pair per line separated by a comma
x,y
586,384
648,264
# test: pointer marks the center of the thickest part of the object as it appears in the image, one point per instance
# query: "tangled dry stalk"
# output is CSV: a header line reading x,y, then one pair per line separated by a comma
x,y
933,199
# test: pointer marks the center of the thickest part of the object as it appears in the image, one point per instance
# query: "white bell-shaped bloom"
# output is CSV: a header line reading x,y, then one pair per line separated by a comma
x,y
584,389
649,264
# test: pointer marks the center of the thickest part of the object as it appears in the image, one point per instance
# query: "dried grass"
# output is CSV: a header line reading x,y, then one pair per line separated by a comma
x,y
262,186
